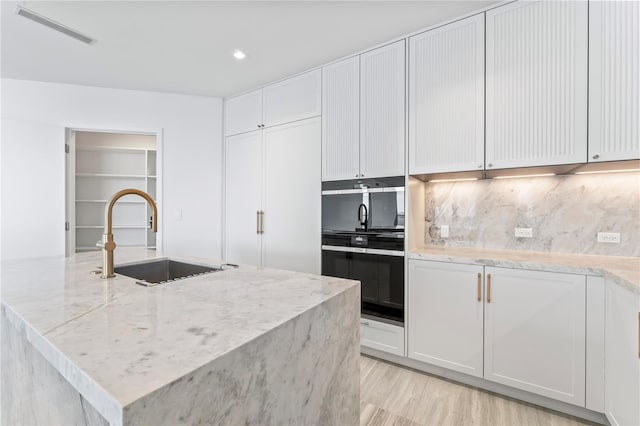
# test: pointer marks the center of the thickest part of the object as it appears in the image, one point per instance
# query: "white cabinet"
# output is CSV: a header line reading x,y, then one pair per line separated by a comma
x,y
293,99
291,201
536,77
341,120
622,357
446,98
243,198
363,115
289,100
243,113
276,172
382,336
614,76
535,332
382,102
595,367
445,315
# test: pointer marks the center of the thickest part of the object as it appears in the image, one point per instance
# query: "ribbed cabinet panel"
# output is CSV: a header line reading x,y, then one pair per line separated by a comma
x,y
341,120
614,80
382,101
536,84
446,98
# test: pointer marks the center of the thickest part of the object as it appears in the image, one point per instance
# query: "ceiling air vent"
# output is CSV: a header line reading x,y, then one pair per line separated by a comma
x,y
29,14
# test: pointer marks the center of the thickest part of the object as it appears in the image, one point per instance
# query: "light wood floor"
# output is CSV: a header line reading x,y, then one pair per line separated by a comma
x,y
392,395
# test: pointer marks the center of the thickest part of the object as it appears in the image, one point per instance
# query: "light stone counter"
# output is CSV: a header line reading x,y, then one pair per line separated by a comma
x,y
244,345
624,271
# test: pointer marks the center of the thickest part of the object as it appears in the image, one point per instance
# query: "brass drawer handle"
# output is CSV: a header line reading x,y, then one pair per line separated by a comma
x,y
261,221
479,287
488,288
258,222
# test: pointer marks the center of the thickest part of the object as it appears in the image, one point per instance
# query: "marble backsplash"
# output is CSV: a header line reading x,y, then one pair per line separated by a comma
x,y
565,212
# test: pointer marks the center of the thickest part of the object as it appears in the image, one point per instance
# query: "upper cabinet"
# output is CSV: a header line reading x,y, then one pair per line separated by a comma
x,y
243,113
446,98
614,52
341,120
382,101
290,100
363,115
293,99
536,107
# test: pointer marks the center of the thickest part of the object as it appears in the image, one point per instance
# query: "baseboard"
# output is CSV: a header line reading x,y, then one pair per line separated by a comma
x,y
497,388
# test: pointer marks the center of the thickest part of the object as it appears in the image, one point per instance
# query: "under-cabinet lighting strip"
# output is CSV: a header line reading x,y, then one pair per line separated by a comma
x,y
607,171
525,176
452,180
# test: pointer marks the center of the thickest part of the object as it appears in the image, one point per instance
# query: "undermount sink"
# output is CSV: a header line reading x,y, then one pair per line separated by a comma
x,y
160,271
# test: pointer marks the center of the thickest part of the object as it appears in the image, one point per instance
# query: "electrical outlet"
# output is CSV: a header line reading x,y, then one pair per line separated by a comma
x,y
524,232
609,237
444,231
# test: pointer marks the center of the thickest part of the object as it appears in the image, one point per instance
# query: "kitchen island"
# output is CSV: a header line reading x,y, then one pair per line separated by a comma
x,y
240,346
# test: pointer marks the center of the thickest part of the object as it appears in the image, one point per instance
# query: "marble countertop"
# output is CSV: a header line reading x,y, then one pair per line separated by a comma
x,y
624,271
116,341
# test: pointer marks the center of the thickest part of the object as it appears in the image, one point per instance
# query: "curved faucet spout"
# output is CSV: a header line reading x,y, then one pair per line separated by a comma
x,y
107,244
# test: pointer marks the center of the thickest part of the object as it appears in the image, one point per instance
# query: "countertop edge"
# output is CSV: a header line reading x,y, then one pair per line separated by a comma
x,y
417,254
95,394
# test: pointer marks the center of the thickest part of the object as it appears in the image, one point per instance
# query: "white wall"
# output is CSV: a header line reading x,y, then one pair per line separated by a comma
x,y
34,116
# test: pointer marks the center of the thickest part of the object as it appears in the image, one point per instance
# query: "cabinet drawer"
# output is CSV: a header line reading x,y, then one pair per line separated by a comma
x,y
382,336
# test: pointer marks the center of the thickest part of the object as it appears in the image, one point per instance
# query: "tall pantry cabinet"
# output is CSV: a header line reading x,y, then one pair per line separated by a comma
x,y
272,206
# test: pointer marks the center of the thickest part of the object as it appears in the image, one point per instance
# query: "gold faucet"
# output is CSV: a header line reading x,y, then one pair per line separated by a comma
x,y
107,244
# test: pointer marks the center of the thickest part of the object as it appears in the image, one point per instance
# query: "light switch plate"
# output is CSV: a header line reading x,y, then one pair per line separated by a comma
x,y
524,232
444,231
609,237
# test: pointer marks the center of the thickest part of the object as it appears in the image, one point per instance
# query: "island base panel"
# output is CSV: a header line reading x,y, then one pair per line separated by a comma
x,y
33,391
305,371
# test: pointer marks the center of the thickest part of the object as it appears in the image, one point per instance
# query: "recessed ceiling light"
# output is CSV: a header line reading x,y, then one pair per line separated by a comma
x,y
239,54
43,20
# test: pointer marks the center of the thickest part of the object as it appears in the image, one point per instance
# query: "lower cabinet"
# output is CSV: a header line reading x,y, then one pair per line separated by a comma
x,y
445,315
527,326
535,332
622,355
382,336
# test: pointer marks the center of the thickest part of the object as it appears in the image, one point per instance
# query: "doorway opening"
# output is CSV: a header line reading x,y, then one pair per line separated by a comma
x,y
99,164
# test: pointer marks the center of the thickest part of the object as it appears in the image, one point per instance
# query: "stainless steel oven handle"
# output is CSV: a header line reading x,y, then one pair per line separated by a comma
x,y
364,250
362,190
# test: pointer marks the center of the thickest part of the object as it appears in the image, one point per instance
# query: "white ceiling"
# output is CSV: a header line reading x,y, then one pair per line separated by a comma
x,y
185,47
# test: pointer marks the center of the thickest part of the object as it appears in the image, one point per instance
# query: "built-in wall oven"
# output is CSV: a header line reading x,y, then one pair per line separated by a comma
x,y
363,239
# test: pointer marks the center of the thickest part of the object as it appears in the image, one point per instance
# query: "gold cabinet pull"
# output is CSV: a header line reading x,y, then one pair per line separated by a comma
x,y
488,288
257,221
261,221
479,287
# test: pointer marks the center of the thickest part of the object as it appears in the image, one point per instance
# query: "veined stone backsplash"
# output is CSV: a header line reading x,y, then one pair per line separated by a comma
x,y
565,212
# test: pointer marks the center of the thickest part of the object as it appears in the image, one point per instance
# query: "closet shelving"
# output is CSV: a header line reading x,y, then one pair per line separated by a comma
x,y
101,171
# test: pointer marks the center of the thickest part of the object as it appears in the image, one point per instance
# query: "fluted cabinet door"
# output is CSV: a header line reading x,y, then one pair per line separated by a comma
x,y
536,54
614,80
446,98
382,100
243,198
341,120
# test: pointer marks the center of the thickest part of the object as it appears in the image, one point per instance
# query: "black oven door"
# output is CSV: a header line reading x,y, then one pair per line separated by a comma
x,y
381,277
